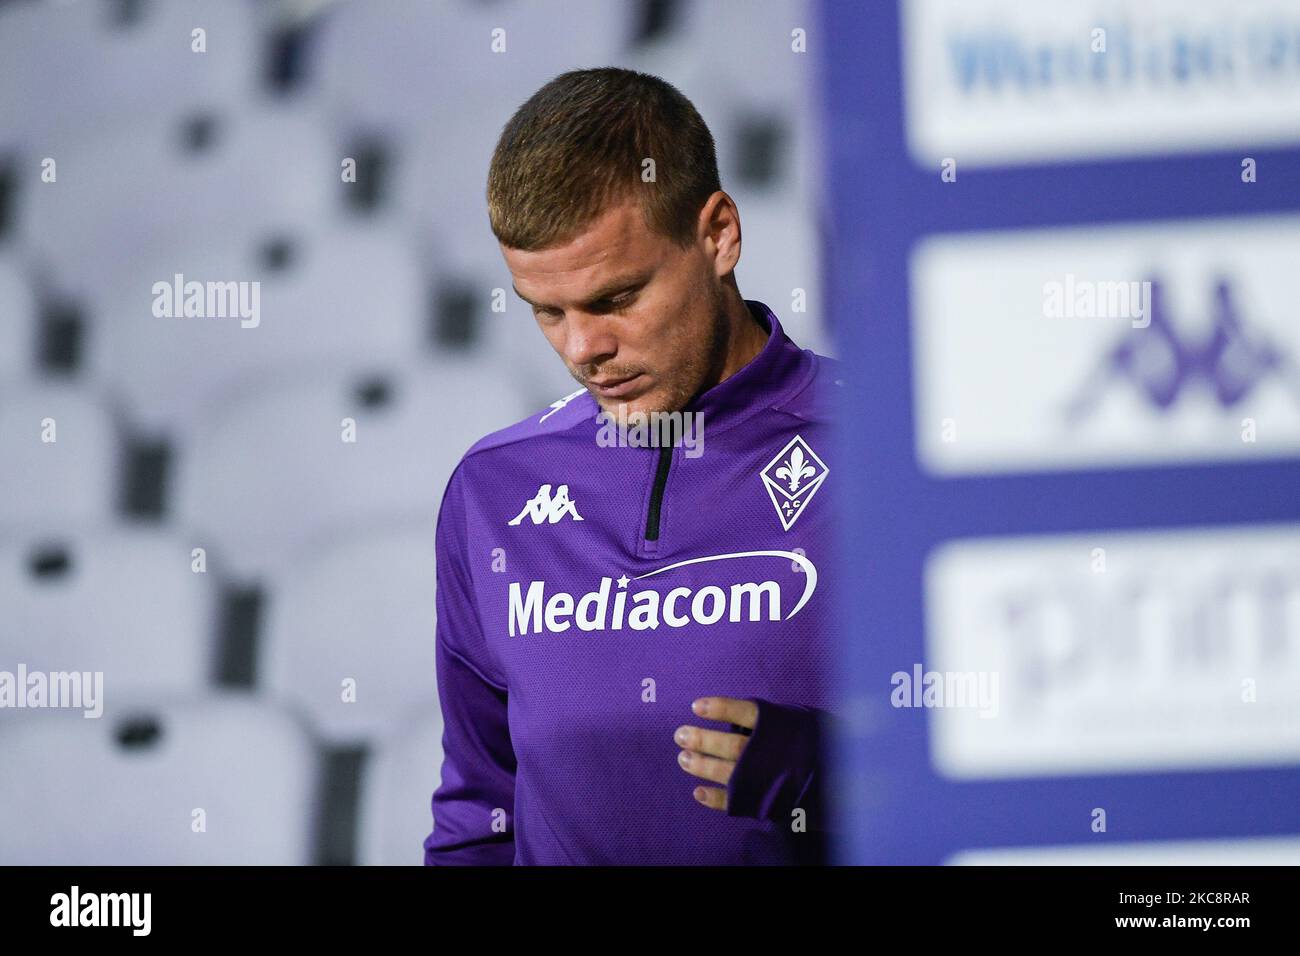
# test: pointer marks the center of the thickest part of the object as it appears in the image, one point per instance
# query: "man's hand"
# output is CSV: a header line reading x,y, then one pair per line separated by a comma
x,y
712,754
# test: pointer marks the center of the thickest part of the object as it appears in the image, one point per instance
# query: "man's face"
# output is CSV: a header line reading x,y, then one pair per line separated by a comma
x,y
638,320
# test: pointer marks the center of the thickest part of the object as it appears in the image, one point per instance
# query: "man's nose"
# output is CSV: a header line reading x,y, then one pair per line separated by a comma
x,y
589,339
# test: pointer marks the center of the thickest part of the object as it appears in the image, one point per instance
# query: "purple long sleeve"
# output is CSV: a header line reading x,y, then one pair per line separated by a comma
x,y
780,769
475,799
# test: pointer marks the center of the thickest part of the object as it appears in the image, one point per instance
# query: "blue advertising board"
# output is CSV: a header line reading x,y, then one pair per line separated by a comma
x,y
1062,262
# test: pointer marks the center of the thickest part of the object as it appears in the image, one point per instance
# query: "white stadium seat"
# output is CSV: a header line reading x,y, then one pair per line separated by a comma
x,y
403,64
122,601
732,36
350,630
710,55
157,780
270,474
779,254
424,79
397,790
17,320
133,195
349,298
65,482
78,69
514,337
511,338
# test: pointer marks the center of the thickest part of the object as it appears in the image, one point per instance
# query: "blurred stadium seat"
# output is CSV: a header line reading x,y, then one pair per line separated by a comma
x,y
131,787
228,177
376,66
764,121
304,484
380,63
58,456
74,70
17,321
121,601
400,778
349,299
358,613
779,256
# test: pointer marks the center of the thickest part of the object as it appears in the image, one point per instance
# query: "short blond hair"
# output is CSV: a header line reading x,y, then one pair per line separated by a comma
x,y
579,144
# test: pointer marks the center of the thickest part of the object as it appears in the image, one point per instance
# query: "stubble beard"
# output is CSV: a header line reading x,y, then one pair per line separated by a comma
x,y
690,376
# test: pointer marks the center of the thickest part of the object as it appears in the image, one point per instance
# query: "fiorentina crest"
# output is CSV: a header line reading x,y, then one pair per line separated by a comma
x,y
792,478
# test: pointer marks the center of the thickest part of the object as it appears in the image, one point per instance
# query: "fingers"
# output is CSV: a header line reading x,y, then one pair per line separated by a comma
x,y
714,743
712,754
712,797
729,709
707,768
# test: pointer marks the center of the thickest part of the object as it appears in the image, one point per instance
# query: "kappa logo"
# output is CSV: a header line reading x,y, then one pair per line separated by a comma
x,y
543,508
1161,364
792,478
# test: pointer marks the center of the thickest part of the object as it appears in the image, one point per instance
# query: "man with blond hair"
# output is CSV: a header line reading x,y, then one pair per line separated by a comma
x,y
603,606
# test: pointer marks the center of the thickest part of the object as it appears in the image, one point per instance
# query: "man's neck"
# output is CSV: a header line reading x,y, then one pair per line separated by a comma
x,y
745,337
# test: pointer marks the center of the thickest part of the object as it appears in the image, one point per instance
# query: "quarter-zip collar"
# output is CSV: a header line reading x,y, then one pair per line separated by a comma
x,y
778,372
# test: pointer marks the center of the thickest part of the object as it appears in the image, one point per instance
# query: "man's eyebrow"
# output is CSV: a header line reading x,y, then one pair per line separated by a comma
x,y
606,291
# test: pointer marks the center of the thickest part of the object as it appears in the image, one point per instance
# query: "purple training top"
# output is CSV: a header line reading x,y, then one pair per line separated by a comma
x,y
589,591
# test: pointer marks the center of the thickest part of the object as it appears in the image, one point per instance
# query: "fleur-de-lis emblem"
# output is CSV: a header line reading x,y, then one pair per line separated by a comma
x,y
791,478
795,469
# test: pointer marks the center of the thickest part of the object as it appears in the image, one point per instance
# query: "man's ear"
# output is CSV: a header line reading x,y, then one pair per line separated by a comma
x,y
722,225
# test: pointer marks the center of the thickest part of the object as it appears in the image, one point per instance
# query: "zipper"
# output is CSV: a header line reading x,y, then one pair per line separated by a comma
x,y
657,493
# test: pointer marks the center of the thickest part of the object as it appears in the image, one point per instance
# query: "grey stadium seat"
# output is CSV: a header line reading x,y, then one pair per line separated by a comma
x,y
73,69
471,276
67,482
132,787
269,476
780,253
17,321
711,54
360,611
347,298
400,778
248,174
122,601
371,55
